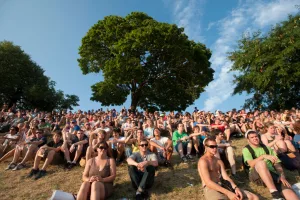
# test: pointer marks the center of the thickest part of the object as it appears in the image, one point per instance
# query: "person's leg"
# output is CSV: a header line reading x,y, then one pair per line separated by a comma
x,y
148,177
120,150
196,144
231,158
7,155
281,146
228,132
135,176
189,147
66,152
290,146
30,153
78,153
97,191
169,153
179,149
89,153
48,159
17,154
153,149
84,190
265,175
37,161
289,194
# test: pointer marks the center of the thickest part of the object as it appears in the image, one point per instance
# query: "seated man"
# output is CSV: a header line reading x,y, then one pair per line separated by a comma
x,y
141,167
9,140
79,145
50,152
215,186
162,147
182,143
28,149
265,168
225,150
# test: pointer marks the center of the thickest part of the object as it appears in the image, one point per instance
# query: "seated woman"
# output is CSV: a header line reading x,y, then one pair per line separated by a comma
x,y
98,176
198,136
275,139
117,146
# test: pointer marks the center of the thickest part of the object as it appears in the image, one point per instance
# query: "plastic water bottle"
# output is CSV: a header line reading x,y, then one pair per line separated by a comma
x,y
113,146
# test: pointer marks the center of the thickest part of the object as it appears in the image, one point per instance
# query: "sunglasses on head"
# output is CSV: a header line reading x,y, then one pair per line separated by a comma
x,y
212,146
143,145
102,147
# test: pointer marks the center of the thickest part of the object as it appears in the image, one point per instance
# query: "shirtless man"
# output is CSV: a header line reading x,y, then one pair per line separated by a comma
x,y
214,177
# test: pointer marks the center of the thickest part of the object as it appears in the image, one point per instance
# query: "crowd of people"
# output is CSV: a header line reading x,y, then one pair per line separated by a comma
x,y
102,140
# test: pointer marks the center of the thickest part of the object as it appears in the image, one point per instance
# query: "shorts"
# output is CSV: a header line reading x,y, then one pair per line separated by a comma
x,y
255,178
210,194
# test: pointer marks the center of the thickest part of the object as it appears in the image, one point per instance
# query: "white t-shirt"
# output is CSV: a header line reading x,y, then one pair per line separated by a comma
x,y
161,142
148,132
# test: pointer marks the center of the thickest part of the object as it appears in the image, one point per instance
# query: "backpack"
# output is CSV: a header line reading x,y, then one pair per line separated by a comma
x,y
247,167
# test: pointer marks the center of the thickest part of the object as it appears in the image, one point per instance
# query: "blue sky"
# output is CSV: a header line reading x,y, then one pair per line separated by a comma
x,y
51,32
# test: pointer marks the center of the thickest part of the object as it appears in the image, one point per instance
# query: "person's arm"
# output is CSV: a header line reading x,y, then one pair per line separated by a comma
x,y
226,177
156,145
252,162
131,161
265,141
205,175
85,175
80,142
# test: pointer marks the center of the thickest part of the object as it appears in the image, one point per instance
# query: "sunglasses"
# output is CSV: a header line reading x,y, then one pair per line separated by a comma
x,y
143,145
212,146
102,147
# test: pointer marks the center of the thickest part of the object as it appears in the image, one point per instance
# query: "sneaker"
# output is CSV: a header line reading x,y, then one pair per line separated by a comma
x,y
184,159
237,178
11,166
40,174
276,196
19,166
138,197
145,195
32,172
189,157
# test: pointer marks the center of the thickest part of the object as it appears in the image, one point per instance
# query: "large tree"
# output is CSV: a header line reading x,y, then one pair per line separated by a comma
x,y
268,66
23,82
154,62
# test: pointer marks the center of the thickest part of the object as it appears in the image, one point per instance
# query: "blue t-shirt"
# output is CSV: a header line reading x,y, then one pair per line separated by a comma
x,y
296,140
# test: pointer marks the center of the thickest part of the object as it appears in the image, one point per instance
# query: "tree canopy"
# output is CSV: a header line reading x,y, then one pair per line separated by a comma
x,y
154,62
269,66
23,82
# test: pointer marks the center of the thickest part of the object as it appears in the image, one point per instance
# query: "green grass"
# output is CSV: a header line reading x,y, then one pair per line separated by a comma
x,y
182,182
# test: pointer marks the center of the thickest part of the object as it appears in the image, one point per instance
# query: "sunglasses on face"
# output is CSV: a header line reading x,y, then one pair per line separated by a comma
x,y
212,146
143,145
102,147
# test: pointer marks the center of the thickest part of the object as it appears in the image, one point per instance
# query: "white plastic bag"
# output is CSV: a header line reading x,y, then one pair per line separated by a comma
x,y
61,195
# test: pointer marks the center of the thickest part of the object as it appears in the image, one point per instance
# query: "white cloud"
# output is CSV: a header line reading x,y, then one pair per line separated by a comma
x,y
248,16
273,12
187,15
